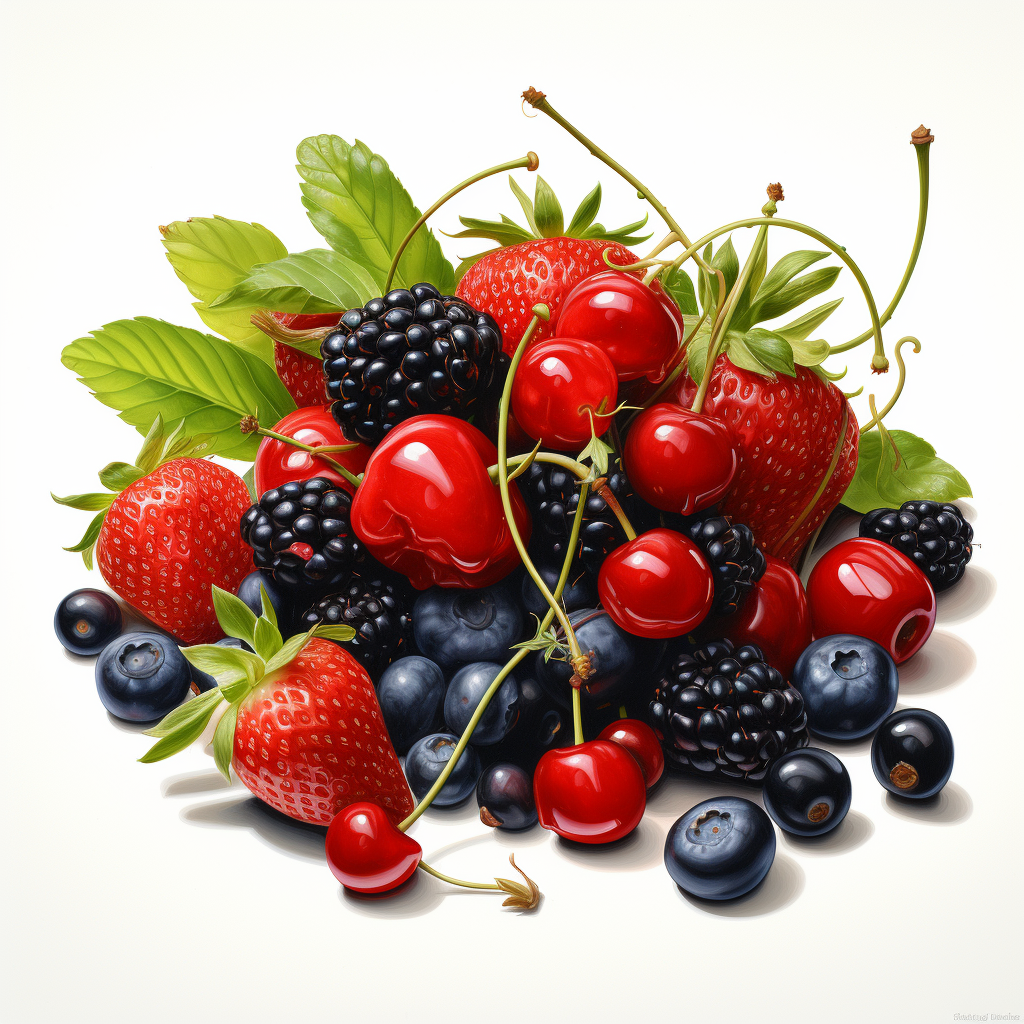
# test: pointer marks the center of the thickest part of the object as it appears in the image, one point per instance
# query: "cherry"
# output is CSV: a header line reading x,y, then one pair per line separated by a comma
x,y
427,507
638,325
639,739
367,853
657,585
868,588
593,792
277,462
678,460
775,617
556,383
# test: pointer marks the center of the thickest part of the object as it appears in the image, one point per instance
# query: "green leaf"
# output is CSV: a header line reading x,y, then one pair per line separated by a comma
x,y
707,285
527,204
153,445
267,638
900,467
290,650
586,213
786,269
141,367
680,287
744,299
505,232
224,741
236,618
339,634
356,202
771,350
201,707
728,263
176,735
697,356
250,481
317,281
808,353
597,451
547,211
793,294
798,329
267,606
97,501
116,476
228,665
88,541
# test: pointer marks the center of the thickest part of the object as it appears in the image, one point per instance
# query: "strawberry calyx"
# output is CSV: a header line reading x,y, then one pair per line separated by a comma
x,y
158,448
237,672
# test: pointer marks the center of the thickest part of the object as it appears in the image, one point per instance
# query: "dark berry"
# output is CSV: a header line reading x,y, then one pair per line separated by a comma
x,y
912,753
807,792
140,677
466,690
426,760
735,560
411,695
540,725
579,590
505,797
249,594
87,620
726,713
935,537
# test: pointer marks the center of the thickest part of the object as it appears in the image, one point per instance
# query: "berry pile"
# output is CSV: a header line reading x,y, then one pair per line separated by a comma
x,y
519,525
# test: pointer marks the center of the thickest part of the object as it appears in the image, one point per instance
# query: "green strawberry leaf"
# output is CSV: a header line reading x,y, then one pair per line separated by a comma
x,y
680,287
339,634
116,476
786,269
317,281
228,665
153,445
547,210
268,609
697,356
356,202
471,261
97,501
290,650
807,353
141,367
236,618
224,741
249,476
623,235
88,541
798,329
506,232
527,204
728,263
200,707
792,295
267,640
586,213
770,350
898,466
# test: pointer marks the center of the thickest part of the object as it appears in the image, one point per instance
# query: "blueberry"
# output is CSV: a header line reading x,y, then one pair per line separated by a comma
x,y
203,680
249,594
142,676
541,725
410,692
455,627
912,753
849,684
579,591
505,797
721,848
807,792
425,762
464,694
87,620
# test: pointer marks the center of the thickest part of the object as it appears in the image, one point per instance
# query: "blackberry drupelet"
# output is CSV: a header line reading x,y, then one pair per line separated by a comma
x,y
413,351
377,608
736,562
725,713
935,537
301,533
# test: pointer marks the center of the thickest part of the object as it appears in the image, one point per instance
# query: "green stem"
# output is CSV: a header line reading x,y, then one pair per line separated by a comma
x,y
314,450
577,716
878,417
458,881
531,162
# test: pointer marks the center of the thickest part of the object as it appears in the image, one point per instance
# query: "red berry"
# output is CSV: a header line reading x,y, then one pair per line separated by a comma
x,y
639,739
775,617
302,374
556,382
678,460
278,462
367,853
592,793
870,589
639,327
656,586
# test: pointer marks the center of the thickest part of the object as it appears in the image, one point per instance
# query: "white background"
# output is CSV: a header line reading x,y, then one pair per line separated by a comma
x,y
154,892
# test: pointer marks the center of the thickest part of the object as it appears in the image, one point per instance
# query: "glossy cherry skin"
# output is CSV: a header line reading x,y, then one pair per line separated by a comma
x,y
591,793
278,462
367,853
428,509
639,739
775,617
678,460
638,325
656,586
868,588
555,384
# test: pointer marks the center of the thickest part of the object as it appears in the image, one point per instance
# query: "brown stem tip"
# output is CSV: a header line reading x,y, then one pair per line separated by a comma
x,y
533,96
249,425
522,897
921,136
775,192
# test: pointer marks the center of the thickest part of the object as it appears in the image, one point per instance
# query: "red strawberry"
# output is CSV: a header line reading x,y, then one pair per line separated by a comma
x,y
541,264
794,436
301,371
170,534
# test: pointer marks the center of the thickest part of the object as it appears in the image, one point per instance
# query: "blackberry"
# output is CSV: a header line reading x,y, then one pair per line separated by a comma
x,y
377,608
935,537
725,713
413,351
300,532
736,562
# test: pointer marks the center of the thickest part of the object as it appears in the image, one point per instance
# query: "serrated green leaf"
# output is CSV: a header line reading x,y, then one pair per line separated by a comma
x,y
94,502
586,213
547,211
116,476
201,707
680,287
228,665
267,638
798,329
771,350
317,281
224,741
355,201
792,295
899,468
141,367
290,650
339,634
236,618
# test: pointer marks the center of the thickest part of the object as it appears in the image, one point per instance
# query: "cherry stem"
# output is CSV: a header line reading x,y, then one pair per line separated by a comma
x,y
531,162
319,452
457,881
877,417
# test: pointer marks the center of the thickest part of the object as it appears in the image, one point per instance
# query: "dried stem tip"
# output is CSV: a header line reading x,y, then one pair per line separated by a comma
x,y
533,96
921,136
522,897
249,425
775,192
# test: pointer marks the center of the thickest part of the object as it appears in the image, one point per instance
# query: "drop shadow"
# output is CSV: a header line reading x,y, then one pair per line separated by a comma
x,y
464,811
191,783
643,848
79,659
126,726
419,896
952,805
781,886
944,661
295,838
971,596
842,748
853,831
678,791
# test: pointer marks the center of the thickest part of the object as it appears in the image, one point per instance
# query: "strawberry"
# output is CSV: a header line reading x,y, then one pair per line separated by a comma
x,y
302,729
541,263
168,533
300,368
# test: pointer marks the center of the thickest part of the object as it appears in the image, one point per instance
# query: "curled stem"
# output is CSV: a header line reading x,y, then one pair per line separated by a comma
x,y
249,426
520,896
876,416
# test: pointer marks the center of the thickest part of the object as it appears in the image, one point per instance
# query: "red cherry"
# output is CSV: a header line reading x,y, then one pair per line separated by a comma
x,y
656,586
556,383
639,327
870,589
278,462
639,739
678,460
427,508
592,793
367,853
